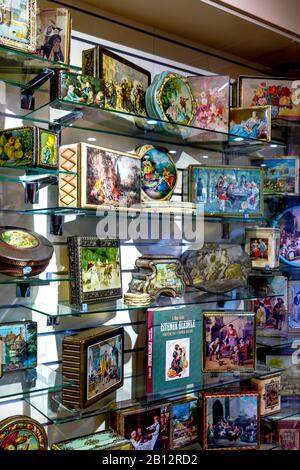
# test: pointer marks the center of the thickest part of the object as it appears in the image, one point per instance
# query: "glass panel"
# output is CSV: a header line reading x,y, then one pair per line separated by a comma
x,y
44,278
132,393
153,214
19,407
64,308
27,381
289,409
18,68
140,128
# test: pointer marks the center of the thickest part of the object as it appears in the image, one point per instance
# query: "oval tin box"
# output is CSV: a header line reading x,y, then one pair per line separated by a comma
x,y
159,173
170,98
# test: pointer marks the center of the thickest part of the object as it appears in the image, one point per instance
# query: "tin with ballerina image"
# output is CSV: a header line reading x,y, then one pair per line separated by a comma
x,y
227,191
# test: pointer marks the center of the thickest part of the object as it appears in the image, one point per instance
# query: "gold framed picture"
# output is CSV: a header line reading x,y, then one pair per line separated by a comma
x,y
18,24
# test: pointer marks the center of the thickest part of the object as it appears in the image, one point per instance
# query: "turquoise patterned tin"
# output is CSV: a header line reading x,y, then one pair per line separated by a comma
x,y
170,98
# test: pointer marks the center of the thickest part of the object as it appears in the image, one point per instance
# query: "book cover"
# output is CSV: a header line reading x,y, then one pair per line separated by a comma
x,y
174,348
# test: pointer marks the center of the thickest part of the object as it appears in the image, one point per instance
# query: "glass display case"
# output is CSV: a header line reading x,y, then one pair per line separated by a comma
x,y
229,191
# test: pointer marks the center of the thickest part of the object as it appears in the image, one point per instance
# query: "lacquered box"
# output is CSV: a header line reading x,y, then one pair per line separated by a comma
x,y
93,360
269,391
28,146
263,245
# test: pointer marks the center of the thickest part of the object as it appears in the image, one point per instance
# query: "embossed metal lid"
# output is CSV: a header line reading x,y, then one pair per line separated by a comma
x,y
22,433
22,247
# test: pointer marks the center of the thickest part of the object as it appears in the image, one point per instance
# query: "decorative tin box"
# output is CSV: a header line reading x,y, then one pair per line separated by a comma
x,y
294,306
92,359
158,275
124,83
95,266
250,123
105,178
271,306
147,428
18,24
104,440
211,94
231,420
159,173
53,40
269,391
281,174
18,343
170,98
184,422
22,252
78,89
288,222
229,341
287,432
281,93
28,146
227,190
263,244
22,433
216,268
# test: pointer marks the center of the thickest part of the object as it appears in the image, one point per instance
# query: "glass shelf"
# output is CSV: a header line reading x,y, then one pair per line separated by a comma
x,y
105,121
19,406
131,394
275,343
289,409
120,214
39,379
44,278
17,68
30,175
65,309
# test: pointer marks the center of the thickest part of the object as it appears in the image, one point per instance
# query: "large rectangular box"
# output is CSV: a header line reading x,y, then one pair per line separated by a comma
x,y
93,360
103,179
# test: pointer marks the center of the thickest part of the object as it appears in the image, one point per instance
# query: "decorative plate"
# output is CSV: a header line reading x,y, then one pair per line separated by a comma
x,y
23,252
289,224
159,173
22,433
